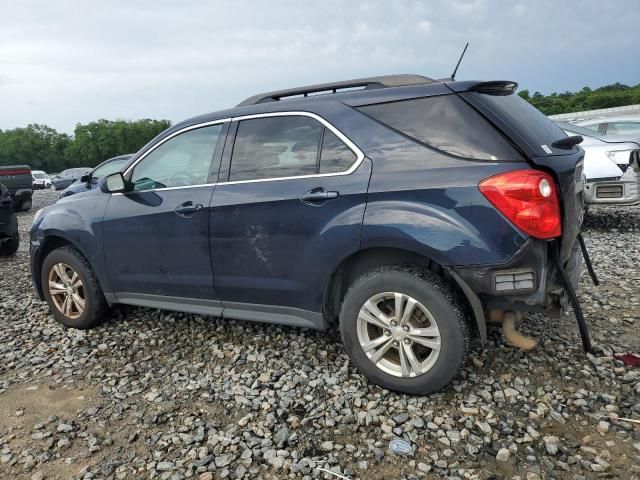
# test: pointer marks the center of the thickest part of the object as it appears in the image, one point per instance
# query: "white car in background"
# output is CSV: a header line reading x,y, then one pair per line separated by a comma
x,y
611,167
40,179
621,125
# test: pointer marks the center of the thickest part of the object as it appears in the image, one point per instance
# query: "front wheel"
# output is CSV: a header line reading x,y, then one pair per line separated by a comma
x,y
72,289
404,329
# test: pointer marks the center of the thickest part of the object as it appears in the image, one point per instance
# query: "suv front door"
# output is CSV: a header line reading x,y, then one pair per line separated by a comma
x,y
156,241
290,201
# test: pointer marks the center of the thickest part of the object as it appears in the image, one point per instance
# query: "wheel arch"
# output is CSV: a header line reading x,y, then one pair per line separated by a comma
x,y
48,244
362,261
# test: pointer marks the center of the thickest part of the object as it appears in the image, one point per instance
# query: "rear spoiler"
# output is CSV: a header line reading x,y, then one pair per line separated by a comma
x,y
495,87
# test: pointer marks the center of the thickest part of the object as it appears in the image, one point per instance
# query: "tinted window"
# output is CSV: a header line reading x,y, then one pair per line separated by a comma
x,y
528,123
273,147
335,156
109,168
182,161
446,123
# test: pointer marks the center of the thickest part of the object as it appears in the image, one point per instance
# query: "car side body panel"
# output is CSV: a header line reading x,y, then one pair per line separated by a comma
x,y
77,221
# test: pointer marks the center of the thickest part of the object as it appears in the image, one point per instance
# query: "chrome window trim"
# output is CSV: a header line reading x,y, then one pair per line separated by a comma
x,y
352,146
169,137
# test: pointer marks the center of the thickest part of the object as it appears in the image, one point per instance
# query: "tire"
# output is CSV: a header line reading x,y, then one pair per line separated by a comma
x,y
25,206
10,246
439,365
68,259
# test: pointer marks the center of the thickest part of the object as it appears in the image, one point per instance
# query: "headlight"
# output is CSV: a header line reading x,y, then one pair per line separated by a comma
x,y
619,156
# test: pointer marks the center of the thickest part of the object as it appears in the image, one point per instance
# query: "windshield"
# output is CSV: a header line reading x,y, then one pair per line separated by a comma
x,y
109,168
570,127
39,176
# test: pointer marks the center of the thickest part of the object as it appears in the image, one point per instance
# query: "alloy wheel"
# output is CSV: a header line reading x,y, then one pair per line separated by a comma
x,y
66,290
398,334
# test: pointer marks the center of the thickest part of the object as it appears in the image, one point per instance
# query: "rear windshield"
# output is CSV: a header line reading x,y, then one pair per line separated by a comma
x,y
529,123
445,123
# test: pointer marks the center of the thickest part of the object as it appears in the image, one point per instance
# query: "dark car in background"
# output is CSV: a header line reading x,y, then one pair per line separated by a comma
x,y
19,182
9,237
90,181
400,209
65,178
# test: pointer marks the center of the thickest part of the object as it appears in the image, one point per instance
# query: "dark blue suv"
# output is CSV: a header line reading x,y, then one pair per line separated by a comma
x,y
401,209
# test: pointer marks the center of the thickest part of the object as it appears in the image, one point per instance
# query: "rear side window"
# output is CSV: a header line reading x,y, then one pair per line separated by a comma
x,y
446,123
273,147
335,155
286,146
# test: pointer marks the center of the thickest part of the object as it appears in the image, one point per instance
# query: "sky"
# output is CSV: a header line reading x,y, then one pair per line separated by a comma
x,y
63,63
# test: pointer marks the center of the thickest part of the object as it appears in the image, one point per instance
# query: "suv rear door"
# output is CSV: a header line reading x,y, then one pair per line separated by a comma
x,y
289,202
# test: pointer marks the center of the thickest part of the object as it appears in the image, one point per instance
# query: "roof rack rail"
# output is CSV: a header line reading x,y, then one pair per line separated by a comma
x,y
334,87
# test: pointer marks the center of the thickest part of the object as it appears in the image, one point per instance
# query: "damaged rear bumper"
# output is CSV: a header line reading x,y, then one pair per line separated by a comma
x,y
528,282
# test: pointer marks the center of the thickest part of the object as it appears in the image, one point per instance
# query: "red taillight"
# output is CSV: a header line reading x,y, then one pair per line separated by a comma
x,y
528,198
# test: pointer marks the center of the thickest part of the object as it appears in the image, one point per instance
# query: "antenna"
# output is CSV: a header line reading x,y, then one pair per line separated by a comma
x,y
453,75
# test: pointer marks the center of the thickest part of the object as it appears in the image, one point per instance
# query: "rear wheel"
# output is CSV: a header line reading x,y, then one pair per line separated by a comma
x,y
71,289
404,329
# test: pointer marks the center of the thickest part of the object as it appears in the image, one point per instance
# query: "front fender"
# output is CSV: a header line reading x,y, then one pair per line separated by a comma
x,y
76,221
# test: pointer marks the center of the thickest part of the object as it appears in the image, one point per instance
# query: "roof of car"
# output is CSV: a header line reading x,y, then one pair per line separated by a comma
x,y
353,92
368,83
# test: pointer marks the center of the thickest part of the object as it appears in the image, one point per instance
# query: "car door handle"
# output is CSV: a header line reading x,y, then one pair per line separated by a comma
x,y
188,209
318,196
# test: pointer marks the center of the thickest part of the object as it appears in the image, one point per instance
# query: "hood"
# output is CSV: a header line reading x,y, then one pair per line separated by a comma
x,y
75,187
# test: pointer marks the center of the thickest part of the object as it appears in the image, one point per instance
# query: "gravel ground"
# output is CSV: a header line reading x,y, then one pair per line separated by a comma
x,y
155,394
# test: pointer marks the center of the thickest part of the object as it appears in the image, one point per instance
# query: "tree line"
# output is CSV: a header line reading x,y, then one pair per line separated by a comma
x,y
43,148
616,95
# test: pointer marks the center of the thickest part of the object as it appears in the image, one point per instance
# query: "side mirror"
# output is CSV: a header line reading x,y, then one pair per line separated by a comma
x,y
85,178
114,183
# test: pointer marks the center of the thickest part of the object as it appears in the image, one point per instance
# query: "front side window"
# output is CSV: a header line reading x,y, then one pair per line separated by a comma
x,y
182,161
109,168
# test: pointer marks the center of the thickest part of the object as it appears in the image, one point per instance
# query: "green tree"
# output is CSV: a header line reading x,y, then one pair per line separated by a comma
x,y
38,146
98,141
615,95
43,148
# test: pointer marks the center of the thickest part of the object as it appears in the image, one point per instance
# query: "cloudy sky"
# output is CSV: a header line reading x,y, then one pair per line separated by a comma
x,y
67,62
